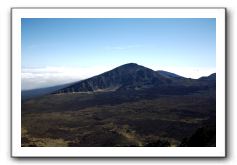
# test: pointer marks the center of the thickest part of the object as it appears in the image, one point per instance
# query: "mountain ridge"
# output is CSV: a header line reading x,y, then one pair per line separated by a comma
x,y
130,76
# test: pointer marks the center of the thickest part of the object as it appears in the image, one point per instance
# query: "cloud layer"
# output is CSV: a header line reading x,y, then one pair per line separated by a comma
x,y
32,78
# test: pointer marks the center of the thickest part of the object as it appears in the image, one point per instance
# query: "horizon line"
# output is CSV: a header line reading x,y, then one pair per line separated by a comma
x,y
130,63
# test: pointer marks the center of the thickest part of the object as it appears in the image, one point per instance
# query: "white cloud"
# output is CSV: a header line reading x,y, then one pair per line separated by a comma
x,y
49,76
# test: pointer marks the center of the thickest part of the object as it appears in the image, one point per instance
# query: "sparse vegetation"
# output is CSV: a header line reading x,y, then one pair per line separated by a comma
x,y
162,121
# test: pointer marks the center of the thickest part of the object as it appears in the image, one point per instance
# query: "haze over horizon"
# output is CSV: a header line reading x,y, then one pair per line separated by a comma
x,y
57,51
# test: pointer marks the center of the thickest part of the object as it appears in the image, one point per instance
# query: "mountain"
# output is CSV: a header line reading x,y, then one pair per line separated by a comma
x,y
125,77
132,76
211,77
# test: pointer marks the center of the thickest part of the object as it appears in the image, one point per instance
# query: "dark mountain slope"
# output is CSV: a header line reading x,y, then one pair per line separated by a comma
x,y
128,76
211,77
168,74
135,77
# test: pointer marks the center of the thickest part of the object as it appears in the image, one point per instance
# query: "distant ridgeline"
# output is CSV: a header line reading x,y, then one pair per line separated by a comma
x,y
135,77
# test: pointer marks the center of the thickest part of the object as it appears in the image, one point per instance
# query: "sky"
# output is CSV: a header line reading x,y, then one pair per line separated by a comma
x,y
61,50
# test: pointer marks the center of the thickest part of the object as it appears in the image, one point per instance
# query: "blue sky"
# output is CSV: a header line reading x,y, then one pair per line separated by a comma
x,y
56,48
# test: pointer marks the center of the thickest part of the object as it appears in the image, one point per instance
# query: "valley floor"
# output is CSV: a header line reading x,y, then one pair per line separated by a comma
x,y
165,121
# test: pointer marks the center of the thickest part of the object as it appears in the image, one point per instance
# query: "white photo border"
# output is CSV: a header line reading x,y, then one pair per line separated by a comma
x,y
218,13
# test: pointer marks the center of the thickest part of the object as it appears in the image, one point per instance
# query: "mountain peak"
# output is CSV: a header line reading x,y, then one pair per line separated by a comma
x,y
211,77
130,76
127,76
129,65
